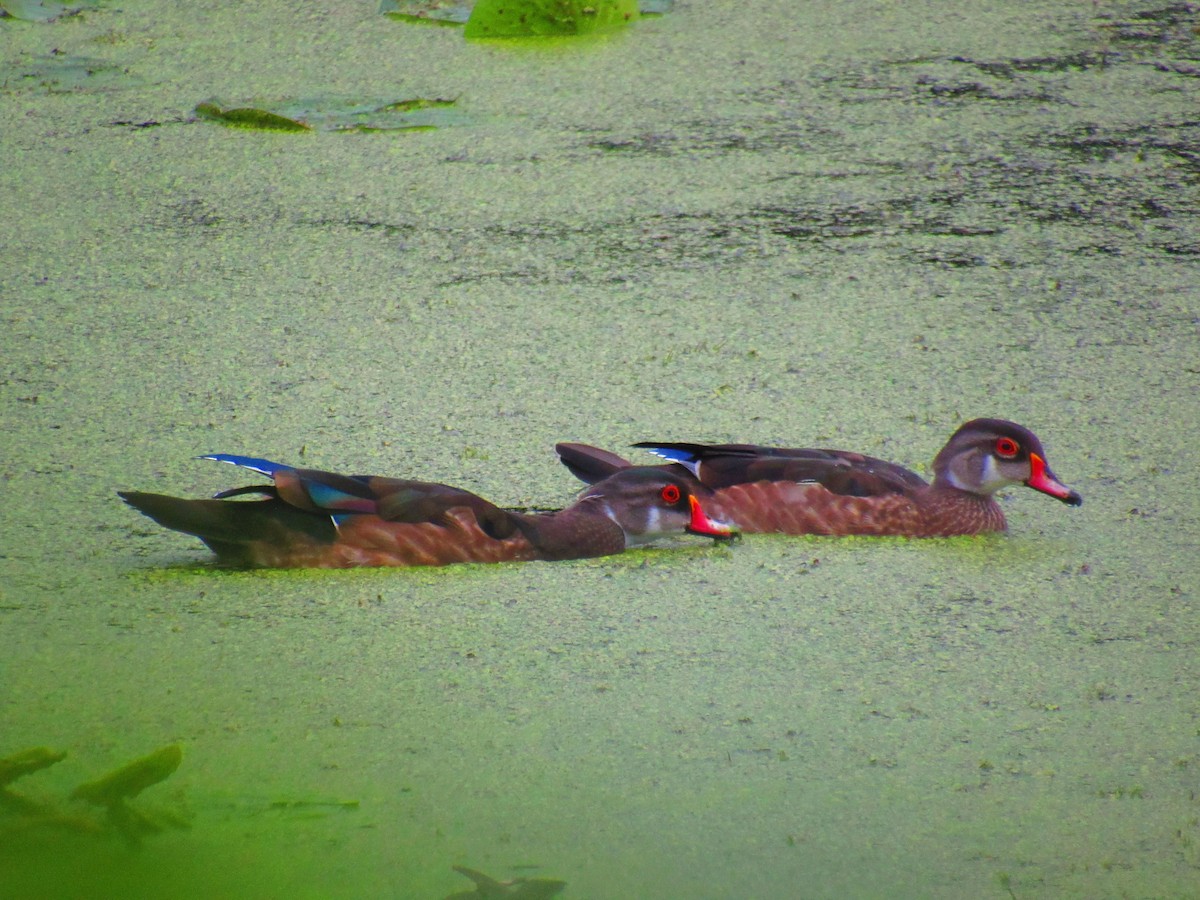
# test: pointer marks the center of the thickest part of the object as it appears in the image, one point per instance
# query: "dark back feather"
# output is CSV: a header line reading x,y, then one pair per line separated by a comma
x,y
838,471
590,464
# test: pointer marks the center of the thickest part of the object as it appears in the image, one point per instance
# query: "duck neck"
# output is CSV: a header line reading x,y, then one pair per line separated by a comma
x,y
576,532
950,510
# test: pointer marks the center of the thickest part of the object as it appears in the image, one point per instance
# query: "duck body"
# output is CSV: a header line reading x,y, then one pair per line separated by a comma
x,y
316,519
837,492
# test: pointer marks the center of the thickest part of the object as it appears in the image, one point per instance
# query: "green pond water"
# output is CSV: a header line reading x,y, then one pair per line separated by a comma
x,y
844,224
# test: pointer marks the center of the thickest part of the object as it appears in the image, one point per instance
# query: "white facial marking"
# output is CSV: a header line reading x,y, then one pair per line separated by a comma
x,y
990,478
649,529
955,481
976,472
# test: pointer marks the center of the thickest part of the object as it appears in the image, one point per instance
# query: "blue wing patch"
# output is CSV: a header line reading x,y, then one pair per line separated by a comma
x,y
326,496
674,455
254,464
685,458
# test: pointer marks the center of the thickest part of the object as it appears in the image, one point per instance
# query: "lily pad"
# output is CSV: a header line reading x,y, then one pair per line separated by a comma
x,y
437,12
249,117
335,114
543,18
63,73
42,10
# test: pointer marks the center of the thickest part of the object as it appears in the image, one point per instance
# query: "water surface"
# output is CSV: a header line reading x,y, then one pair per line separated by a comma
x,y
848,224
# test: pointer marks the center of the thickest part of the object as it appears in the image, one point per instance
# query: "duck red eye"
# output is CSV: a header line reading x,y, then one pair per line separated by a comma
x,y
671,494
1006,448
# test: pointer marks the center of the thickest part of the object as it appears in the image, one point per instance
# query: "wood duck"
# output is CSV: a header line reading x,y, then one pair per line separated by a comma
x,y
326,520
770,489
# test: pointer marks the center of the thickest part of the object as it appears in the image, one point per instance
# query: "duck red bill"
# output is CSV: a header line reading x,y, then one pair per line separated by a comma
x,y
702,524
1042,479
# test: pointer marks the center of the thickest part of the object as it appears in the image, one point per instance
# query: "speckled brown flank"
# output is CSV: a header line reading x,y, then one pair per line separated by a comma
x,y
369,541
792,508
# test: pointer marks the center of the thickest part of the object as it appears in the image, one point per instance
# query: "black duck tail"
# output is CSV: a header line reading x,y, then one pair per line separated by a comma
x,y
228,526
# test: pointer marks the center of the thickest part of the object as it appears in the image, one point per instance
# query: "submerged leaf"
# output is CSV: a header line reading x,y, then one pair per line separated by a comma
x,y
488,888
131,779
18,765
538,18
336,114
